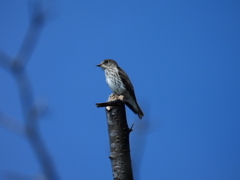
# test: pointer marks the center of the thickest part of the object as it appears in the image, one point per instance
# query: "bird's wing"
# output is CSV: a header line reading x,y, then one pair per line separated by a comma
x,y
127,83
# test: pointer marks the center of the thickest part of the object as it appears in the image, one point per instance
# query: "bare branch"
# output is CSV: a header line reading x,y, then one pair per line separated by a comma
x,y
38,18
110,103
118,132
11,124
41,152
131,128
31,112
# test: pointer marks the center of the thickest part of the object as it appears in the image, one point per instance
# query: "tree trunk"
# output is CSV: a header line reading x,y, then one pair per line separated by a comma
x,y
118,132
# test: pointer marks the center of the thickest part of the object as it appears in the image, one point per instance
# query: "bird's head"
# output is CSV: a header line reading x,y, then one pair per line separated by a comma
x,y
107,64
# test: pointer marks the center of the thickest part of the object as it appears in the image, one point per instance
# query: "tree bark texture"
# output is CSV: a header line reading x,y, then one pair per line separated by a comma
x,y
118,132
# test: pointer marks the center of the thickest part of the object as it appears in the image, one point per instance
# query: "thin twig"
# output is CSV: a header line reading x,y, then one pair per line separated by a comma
x,y
38,18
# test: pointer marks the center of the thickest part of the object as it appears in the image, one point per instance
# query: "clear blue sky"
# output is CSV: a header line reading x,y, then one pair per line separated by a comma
x,y
183,58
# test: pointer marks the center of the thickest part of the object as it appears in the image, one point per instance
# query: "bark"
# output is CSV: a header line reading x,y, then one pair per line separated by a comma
x,y
118,132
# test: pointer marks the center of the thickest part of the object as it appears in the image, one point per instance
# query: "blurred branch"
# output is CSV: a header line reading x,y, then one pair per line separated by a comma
x,y
118,132
11,124
37,19
31,112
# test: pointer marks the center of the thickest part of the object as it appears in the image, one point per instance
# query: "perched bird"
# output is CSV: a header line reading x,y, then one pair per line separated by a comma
x,y
120,84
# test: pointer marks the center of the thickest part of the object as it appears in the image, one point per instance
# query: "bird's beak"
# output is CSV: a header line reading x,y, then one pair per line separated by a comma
x,y
99,65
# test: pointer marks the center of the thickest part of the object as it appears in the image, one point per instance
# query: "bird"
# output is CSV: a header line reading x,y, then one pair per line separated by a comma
x,y
120,84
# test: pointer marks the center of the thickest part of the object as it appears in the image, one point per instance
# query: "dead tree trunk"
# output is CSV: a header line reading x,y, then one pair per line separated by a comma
x,y
118,133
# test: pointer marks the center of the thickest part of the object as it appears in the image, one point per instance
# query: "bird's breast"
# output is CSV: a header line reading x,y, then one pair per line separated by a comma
x,y
114,81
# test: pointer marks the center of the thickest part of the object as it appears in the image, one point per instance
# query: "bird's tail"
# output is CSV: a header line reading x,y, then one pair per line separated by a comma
x,y
139,113
133,105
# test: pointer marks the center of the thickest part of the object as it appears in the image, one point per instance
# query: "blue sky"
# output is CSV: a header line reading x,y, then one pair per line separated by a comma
x,y
183,58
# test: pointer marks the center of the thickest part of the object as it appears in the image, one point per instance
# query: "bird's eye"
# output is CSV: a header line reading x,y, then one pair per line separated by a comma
x,y
106,61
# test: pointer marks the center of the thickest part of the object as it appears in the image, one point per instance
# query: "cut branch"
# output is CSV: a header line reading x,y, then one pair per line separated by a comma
x,y
118,132
110,103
